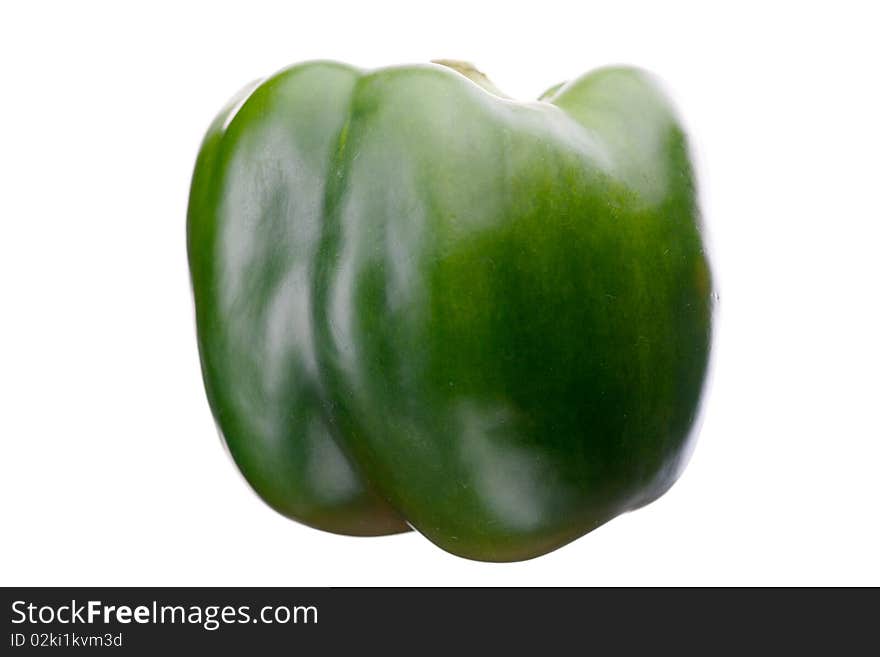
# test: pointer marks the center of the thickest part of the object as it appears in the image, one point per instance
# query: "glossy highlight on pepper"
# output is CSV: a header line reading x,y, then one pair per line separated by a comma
x,y
421,304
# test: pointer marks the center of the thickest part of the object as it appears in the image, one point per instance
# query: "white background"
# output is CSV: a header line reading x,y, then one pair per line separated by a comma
x,y
111,472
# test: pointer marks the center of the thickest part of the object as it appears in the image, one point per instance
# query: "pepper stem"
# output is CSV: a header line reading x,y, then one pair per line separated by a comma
x,y
472,73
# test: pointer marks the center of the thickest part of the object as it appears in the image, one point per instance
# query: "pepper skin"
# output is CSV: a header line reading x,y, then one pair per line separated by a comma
x,y
422,304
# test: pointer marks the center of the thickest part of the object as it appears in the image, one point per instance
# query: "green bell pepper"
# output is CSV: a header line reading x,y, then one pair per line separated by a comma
x,y
422,304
